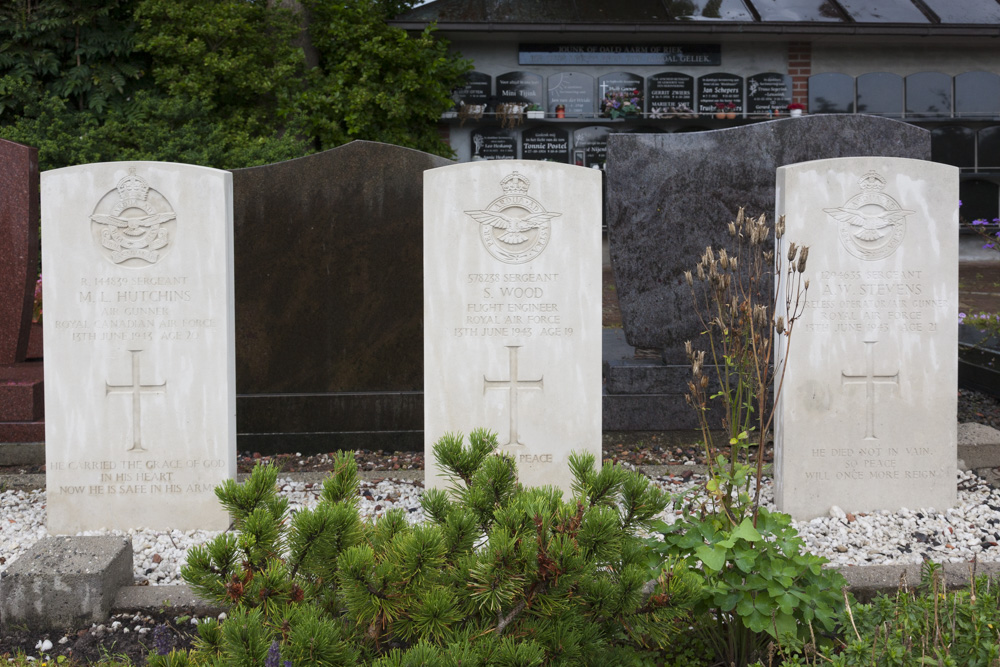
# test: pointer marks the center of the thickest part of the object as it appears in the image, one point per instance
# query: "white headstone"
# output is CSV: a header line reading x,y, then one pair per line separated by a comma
x,y
867,414
512,311
140,409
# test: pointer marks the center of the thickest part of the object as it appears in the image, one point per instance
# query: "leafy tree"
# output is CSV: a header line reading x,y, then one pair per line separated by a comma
x,y
374,81
222,84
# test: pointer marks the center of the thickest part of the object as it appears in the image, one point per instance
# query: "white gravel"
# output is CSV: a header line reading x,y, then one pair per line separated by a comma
x,y
875,538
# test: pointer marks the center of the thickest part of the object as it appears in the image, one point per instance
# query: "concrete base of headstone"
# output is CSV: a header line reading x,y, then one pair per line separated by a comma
x,y
978,446
642,393
65,582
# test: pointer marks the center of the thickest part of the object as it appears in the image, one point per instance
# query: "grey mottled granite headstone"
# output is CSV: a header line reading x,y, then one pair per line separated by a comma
x,y
670,195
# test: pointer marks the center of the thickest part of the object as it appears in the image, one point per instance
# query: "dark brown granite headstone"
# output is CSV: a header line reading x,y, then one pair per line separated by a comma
x,y
329,305
18,247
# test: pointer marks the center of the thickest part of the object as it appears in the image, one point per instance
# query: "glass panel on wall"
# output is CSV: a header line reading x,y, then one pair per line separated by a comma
x,y
574,92
883,11
720,93
979,200
477,89
928,94
954,145
977,94
768,94
590,146
493,144
545,143
967,11
520,88
707,10
988,145
670,94
881,93
831,93
796,10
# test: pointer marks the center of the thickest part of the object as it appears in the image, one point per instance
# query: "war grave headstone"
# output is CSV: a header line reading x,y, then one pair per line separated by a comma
x,y
493,144
329,342
545,143
520,88
574,92
768,94
512,312
139,350
866,419
720,88
669,196
670,94
21,385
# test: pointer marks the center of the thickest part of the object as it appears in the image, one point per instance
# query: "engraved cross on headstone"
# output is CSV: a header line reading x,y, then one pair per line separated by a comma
x,y
136,389
514,384
870,379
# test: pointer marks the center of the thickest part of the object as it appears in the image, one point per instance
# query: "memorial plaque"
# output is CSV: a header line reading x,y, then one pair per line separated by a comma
x,y
721,88
881,93
769,93
670,93
688,55
621,83
574,91
590,146
545,143
928,94
491,144
831,93
477,89
866,419
140,419
512,312
977,94
520,88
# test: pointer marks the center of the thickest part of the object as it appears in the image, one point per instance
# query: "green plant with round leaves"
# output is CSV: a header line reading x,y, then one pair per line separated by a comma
x,y
758,584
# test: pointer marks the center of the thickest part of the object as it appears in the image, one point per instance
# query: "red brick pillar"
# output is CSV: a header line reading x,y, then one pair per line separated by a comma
x,y
799,68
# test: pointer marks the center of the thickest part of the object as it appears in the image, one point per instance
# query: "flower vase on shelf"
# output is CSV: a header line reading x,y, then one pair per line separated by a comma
x,y
796,113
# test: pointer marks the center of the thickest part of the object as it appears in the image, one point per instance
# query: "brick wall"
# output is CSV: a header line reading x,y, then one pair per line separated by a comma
x,y
799,68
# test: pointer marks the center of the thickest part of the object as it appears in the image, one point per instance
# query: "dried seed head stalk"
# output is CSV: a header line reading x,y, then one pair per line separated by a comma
x,y
688,278
779,326
792,249
803,254
779,228
723,259
732,229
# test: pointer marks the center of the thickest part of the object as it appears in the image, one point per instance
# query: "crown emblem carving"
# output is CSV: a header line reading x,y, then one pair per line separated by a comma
x,y
133,187
515,184
871,182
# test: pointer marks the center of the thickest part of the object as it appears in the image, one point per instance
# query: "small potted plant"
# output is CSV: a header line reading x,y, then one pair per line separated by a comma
x,y
796,109
535,112
720,110
730,110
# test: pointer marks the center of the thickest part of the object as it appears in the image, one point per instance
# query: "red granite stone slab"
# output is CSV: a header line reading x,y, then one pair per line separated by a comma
x,y
22,431
22,396
18,246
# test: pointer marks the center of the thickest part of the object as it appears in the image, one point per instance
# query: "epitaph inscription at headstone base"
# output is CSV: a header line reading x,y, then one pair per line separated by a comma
x,y
139,351
866,418
512,313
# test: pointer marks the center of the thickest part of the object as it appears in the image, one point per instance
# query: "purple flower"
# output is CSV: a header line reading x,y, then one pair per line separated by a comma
x,y
273,655
161,639
988,245
961,317
979,221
